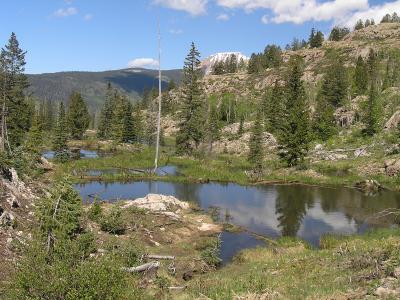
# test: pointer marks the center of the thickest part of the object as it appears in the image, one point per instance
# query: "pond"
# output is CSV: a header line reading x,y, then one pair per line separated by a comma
x,y
84,153
269,210
161,171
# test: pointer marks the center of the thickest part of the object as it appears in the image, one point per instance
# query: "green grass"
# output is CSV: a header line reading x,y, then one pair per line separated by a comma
x,y
349,266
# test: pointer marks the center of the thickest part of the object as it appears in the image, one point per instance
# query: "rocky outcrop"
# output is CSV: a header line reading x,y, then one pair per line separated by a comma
x,y
392,167
156,202
393,122
345,117
368,186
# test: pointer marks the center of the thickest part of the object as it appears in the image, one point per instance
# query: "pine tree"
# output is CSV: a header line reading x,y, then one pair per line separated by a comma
x,y
273,56
295,137
138,126
60,136
373,112
14,82
106,114
275,111
78,116
241,124
118,118
316,39
361,77
128,135
325,122
191,126
35,138
256,151
335,84
359,25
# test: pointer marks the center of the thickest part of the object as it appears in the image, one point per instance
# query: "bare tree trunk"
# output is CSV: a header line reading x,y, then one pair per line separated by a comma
x,y
49,234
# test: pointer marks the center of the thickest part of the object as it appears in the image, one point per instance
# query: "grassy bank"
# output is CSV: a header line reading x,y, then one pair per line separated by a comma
x,y
350,267
229,168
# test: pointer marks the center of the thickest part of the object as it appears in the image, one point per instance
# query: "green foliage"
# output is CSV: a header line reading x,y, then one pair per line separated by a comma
x,y
213,126
106,115
271,58
78,116
138,126
361,77
338,33
316,39
95,212
359,25
211,253
394,18
274,109
60,137
335,84
113,222
373,112
256,153
325,123
13,83
192,111
295,137
34,138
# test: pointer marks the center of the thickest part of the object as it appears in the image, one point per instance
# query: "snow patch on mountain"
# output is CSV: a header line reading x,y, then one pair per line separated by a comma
x,y
210,61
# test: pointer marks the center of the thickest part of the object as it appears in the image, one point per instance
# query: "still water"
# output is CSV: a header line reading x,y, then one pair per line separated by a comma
x,y
83,154
272,210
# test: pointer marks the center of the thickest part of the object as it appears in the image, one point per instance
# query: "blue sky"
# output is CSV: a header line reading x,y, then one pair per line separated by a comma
x,y
95,35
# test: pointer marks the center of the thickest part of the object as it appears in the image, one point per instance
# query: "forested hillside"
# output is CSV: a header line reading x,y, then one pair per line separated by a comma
x,y
92,85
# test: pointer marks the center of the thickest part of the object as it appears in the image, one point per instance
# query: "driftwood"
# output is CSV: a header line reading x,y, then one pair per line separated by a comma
x,y
153,256
177,288
143,268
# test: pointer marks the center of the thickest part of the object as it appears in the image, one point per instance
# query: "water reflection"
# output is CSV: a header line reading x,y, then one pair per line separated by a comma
x,y
273,211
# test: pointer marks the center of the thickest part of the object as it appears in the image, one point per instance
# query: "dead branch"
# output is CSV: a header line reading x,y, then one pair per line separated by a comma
x,y
143,268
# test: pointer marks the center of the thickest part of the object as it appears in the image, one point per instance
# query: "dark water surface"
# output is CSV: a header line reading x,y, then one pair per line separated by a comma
x,y
271,210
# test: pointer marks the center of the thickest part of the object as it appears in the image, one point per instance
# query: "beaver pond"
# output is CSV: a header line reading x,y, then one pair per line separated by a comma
x,y
307,212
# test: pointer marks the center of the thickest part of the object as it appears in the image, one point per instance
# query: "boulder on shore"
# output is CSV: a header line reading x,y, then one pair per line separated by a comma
x,y
156,202
392,167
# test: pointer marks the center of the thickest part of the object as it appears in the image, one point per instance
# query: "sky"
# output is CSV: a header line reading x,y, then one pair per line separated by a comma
x,y
98,35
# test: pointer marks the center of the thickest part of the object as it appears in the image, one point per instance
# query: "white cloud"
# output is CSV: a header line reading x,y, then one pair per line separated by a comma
x,y
299,11
223,17
143,62
175,31
193,7
88,17
375,12
65,12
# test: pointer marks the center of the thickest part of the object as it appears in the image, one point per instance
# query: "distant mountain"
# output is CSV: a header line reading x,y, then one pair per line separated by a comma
x,y
58,86
210,61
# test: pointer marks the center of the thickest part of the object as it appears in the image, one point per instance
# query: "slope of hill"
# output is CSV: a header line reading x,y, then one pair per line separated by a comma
x,y
92,85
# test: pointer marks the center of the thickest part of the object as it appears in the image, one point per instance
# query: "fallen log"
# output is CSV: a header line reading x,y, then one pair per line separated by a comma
x,y
153,256
177,288
143,268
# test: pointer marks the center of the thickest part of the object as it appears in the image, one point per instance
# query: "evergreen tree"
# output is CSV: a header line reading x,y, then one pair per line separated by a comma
x,y
14,82
78,116
191,125
151,119
60,136
361,77
232,64
295,137
338,33
367,23
373,112
138,126
316,38
387,19
106,114
35,137
335,84
256,151
128,135
118,118
359,25
241,125
275,111
325,123
273,56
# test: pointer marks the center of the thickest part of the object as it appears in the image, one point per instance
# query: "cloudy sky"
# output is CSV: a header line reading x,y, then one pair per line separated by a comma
x,y
92,35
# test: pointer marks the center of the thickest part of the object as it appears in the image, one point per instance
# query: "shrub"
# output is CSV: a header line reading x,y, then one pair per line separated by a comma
x,y
95,212
113,222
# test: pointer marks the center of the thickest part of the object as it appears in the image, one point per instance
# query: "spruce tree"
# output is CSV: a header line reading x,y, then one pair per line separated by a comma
x,y
138,126
335,84
361,77
325,122
118,118
295,137
78,116
60,136
256,151
373,112
359,25
275,111
14,82
192,111
106,114
128,135
35,137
